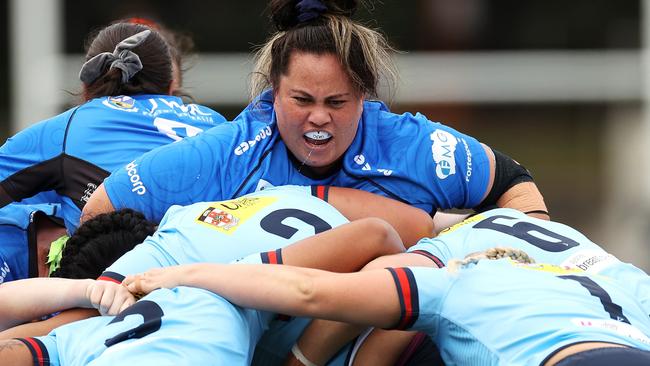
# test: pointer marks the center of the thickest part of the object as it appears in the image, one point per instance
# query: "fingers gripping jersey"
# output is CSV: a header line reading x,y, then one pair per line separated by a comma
x,y
18,239
405,157
501,313
181,326
545,241
73,152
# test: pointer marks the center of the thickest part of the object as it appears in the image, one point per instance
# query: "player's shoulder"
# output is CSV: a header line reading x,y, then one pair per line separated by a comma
x,y
20,215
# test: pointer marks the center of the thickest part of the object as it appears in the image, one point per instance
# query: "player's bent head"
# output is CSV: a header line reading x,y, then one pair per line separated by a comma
x,y
100,241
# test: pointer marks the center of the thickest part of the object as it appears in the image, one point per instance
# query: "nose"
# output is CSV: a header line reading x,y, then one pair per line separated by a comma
x,y
319,116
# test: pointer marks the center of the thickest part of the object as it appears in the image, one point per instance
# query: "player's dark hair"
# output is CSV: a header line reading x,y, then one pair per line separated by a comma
x,y
155,53
100,241
323,27
181,46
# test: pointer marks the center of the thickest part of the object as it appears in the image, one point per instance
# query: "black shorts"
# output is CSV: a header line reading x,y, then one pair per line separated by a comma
x,y
608,356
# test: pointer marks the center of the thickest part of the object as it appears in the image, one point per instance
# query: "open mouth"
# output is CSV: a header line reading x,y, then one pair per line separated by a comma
x,y
318,137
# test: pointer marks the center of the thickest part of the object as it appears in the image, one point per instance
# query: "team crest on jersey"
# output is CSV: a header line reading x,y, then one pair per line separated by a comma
x,y
219,218
228,216
467,221
122,102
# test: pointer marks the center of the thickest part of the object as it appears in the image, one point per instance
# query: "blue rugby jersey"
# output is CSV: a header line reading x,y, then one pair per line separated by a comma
x,y
18,254
405,157
501,313
545,241
73,152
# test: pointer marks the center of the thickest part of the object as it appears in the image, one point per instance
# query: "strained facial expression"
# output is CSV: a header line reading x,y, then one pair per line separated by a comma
x,y
317,109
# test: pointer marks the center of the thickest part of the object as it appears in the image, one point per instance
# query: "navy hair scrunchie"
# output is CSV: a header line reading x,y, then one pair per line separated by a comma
x,y
309,9
122,58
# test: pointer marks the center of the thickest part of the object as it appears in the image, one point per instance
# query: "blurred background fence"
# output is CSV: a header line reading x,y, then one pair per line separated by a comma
x,y
561,86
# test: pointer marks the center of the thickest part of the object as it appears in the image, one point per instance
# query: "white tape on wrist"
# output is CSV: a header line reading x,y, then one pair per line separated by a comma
x,y
300,357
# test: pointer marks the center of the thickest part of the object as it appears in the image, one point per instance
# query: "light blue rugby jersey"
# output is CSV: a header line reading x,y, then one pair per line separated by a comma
x,y
221,232
18,254
545,241
181,326
73,152
405,157
501,313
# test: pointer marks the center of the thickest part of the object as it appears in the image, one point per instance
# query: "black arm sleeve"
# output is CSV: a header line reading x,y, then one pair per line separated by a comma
x,y
507,173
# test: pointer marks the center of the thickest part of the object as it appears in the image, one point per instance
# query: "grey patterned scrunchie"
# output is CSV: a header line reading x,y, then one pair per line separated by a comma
x,y
122,58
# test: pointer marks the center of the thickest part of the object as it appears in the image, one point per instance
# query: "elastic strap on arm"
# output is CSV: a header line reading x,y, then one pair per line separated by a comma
x,y
297,353
507,173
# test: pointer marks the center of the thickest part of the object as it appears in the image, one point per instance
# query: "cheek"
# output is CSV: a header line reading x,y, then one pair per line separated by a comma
x,y
287,114
350,132
351,124
288,127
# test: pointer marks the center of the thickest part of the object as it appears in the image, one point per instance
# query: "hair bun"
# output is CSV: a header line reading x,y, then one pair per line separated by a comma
x,y
287,14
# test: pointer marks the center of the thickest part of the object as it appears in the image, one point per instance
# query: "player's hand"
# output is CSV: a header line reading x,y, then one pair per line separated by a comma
x,y
108,297
144,283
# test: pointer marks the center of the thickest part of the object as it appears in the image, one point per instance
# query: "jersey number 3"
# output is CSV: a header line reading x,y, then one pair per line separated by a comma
x,y
152,315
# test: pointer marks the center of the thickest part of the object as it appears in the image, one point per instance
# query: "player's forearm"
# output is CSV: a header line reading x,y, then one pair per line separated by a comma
x,y
346,248
25,300
42,328
302,291
275,288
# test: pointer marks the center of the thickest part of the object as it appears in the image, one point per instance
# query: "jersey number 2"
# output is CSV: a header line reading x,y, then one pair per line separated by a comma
x,y
272,223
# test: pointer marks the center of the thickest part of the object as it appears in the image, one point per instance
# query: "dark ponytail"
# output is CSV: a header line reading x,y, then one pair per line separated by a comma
x,y
154,52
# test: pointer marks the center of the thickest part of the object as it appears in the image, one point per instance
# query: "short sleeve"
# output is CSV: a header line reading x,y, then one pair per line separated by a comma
x,y
182,173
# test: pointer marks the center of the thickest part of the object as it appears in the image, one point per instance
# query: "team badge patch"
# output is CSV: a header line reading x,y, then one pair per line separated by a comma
x,y
122,102
228,216
219,218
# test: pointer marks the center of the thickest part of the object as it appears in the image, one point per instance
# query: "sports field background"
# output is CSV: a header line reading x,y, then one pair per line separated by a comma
x,y
558,85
